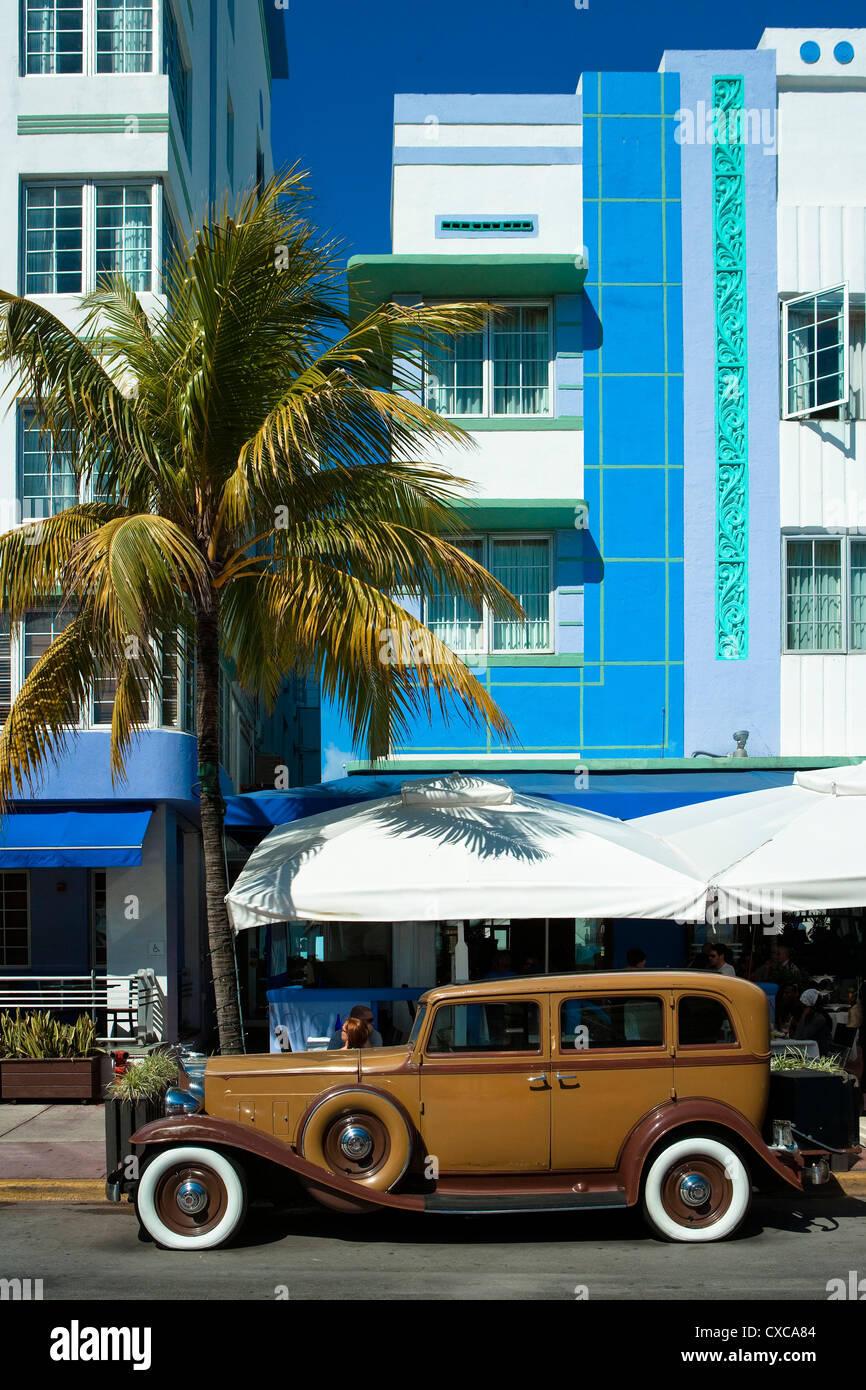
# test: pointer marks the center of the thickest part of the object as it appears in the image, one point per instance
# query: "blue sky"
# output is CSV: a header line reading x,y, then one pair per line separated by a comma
x,y
348,59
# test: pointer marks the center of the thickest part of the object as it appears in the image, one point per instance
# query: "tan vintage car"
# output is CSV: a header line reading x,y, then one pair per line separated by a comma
x,y
550,1093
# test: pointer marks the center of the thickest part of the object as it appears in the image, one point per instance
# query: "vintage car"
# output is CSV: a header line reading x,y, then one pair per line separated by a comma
x,y
547,1093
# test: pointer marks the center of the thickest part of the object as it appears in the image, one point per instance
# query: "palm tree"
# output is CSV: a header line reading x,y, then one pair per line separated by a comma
x,y
255,458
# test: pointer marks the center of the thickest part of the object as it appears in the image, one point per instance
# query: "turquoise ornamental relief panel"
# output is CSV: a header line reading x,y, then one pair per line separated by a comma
x,y
731,380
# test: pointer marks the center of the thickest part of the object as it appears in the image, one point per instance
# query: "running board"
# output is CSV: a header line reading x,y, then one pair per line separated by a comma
x,y
475,1205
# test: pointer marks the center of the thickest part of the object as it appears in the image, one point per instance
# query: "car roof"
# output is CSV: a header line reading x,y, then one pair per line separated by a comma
x,y
594,982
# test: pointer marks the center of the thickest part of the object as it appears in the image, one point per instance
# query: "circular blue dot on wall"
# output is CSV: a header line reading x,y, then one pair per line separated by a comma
x,y
810,52
843,52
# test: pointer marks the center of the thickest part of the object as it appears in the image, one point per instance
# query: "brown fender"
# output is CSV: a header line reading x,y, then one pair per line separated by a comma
x,y
667,1119
204,1129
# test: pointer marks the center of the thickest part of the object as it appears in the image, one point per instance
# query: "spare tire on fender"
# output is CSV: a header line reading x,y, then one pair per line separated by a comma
x,y
358,1133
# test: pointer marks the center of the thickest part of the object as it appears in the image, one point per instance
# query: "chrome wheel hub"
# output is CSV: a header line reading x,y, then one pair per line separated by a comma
x,y
191,1197
356,1143
694,1190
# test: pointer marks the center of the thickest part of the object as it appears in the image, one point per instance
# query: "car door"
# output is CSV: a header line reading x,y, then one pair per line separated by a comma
x,y
611,1063
485,1086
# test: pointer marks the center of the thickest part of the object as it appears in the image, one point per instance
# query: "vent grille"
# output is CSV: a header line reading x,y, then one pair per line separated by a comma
x,y
489,226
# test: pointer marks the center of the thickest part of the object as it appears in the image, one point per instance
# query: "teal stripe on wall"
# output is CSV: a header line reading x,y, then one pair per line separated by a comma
x,y
95,123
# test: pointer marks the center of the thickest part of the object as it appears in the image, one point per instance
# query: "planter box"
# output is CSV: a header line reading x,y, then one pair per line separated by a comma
x,y
819,1104
122,1119
50,1078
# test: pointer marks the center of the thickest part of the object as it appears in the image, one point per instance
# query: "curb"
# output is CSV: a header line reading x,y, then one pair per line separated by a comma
x,y
52,1189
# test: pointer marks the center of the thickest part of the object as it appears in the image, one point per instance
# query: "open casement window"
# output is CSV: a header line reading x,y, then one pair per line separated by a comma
x,y
505,369
522,564
815,342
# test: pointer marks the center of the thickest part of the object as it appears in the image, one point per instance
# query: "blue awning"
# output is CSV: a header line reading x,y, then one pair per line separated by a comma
x,y
72,839
621,794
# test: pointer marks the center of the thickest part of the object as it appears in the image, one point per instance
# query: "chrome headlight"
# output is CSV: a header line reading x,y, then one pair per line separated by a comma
x,y
179,1102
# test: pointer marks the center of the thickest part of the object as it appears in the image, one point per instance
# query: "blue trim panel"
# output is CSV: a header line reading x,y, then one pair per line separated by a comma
x,y
487,154
487,109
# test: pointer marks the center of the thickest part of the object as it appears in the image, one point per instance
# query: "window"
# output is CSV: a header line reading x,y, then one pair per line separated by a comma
x,y
619,1021
703,1022
172,244
825,594
14,919
502,370
47,482
124,233
73,233
124,36
54,36
98,920
40,630
815,358
53,239
179,78
522,564
486,226
506,1025
230,138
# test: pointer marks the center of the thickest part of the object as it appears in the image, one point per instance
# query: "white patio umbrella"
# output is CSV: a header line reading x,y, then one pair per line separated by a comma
x,y
790,849
462,847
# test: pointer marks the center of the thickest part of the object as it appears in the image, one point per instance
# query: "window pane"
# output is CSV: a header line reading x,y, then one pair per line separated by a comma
x,y
123,233
124,36
701,1020
522,565
509,1025
455,621
52,239
521,357
814,595
858,595
54,36
48,483
454,375
816,375
14,920
618,1021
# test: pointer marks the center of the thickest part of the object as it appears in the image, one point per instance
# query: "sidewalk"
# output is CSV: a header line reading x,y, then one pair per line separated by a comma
x,y
53,1152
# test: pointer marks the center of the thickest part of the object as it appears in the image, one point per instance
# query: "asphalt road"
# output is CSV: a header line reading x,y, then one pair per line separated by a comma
x,y
788,1249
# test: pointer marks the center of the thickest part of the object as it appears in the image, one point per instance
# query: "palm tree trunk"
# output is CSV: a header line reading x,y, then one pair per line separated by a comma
x,y
220,940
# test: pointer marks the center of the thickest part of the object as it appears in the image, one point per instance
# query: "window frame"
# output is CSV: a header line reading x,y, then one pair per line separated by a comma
x,y
487,618
3,964
89,49
787,304
483,1053
487,386
845,539
89,189
627,1049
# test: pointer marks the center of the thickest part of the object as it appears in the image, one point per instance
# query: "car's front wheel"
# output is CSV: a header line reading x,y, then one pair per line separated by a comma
x,y
191,1198
697,1189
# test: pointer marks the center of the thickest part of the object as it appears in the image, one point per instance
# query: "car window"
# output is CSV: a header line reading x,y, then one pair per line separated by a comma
x,y
703,1022
416,1024
592,1023
506,1025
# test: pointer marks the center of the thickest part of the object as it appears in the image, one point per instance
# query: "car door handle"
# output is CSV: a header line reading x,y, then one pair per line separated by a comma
x,y
538,1081
565,1076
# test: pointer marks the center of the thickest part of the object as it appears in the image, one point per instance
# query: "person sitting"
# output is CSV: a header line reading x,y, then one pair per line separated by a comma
x,y
365,1014
635,958
718,959
814,1023
356,1032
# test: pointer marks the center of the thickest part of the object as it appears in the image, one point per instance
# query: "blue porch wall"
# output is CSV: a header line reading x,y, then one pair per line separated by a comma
x,y
632,679
720,695
161,766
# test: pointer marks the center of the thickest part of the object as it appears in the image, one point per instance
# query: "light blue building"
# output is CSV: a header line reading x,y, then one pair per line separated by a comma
x,y
668,414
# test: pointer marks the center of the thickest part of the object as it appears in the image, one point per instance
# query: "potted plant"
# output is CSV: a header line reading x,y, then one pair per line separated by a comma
x,y
45,1059
820,1098
132,1099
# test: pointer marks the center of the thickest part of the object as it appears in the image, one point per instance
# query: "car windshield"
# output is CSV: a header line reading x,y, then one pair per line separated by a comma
x,y
416,1026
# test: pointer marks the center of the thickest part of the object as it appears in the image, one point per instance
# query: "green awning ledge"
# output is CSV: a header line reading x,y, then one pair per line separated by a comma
x,y
374,280
518,513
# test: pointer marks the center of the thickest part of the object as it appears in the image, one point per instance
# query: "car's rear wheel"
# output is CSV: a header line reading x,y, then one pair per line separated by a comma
x,y
191,1198
359,1135
697,1189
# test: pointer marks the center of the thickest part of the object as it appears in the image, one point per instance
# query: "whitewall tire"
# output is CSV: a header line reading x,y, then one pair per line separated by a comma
x,y
191,1198
697,1189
